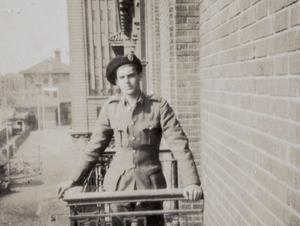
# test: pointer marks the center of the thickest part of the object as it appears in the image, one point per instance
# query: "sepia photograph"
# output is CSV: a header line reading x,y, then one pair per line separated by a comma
x,y
149,112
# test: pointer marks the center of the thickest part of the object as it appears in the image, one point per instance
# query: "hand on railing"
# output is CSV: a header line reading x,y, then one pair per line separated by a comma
x,y
63,187
192,192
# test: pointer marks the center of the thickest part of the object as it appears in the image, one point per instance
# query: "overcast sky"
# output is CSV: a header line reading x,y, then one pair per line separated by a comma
x,y
30,31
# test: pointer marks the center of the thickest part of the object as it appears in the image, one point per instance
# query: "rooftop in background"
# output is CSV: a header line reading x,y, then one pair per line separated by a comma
x,y
50,65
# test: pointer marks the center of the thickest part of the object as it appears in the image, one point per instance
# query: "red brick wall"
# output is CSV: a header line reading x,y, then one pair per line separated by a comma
x,y
250,117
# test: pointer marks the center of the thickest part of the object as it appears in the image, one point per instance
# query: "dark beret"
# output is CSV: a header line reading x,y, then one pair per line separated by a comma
x,y
119,61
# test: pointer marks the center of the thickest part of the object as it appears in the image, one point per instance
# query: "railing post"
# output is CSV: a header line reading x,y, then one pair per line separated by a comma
x,y
175,221
102,211
72,213
174,179
168,220
97,178
134,222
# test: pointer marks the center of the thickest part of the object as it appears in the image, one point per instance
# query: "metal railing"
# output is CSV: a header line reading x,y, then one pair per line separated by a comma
x,y
90,205
93,208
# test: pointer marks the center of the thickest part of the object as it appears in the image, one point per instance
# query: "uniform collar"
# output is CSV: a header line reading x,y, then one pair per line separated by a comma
x,y
139,100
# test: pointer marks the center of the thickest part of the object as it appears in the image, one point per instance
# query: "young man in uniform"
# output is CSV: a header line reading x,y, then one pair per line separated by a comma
x,y
137,121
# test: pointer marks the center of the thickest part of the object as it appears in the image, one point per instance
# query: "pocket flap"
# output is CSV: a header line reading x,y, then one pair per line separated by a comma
x,y
149,125
119,126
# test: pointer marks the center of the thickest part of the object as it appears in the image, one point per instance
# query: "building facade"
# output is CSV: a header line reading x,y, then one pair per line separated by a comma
x,y
49,73
230,70
47,85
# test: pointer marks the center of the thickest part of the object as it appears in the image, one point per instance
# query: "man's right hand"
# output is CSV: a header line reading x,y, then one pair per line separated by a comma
x,y
62,187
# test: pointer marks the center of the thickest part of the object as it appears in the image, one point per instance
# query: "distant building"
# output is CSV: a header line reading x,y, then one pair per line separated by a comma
x,y
49,73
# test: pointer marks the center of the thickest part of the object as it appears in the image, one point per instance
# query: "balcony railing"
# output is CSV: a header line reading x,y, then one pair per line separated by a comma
x,y
89,205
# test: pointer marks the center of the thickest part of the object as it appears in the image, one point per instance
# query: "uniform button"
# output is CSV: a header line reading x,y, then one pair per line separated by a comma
x,y
150,127
132,123
133,138
128,108
134,151
133,166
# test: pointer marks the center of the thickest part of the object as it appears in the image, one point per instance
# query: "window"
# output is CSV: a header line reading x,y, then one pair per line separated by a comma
x,y
46,80
55,81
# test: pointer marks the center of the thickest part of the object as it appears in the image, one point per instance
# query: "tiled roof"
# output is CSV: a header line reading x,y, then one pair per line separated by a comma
x,y
49,65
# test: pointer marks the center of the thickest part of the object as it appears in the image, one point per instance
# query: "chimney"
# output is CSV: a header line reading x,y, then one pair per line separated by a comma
x,y
57,55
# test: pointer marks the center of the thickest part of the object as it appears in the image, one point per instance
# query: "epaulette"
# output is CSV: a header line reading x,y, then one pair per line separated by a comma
x,y
114,98
154,97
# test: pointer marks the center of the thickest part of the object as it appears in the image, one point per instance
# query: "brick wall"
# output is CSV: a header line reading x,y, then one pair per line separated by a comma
x,y
174,59
250,111
185,60
173,55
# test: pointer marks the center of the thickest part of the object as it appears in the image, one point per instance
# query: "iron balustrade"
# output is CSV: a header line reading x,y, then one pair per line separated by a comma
x,y
91,205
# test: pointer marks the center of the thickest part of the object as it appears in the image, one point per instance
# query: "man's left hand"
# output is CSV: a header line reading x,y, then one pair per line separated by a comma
x,y
192,192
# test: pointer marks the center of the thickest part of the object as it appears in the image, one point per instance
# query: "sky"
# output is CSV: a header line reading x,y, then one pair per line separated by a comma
x,y
30,32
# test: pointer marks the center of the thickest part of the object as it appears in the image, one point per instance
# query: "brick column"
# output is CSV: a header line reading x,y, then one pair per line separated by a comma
x,y
179,59
180,83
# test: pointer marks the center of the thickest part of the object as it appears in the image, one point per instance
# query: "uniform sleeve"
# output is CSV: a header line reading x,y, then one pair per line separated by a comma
x,y
99,141
178,143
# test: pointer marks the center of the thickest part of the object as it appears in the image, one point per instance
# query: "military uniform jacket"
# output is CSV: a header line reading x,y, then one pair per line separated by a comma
x,y
138,131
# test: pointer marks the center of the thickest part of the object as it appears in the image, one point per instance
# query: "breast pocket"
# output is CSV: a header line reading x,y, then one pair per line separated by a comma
x,y
150,133
120,134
